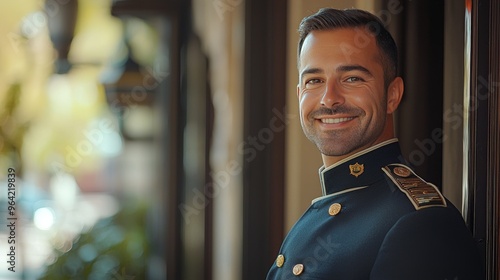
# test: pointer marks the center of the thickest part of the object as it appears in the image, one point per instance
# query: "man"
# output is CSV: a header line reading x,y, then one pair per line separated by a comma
x,y
376,219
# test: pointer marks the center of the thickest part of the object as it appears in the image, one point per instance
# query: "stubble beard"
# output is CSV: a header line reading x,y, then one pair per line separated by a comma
x,y
345,141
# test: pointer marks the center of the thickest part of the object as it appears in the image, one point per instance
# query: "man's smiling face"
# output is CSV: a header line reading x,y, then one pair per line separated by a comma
x,y
342,96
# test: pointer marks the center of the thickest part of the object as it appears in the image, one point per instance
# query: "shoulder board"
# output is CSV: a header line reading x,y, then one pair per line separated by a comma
x,y
420,193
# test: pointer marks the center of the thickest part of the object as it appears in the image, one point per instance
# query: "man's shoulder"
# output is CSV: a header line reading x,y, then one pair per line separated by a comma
x,y
420,193
433,217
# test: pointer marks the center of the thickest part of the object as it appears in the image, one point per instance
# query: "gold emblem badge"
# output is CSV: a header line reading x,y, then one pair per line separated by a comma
x,y
356,169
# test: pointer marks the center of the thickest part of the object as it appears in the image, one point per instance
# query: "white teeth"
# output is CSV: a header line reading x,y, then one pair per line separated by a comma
x,y
337,120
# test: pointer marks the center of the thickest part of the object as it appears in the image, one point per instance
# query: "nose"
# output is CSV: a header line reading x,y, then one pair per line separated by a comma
x,y
332,96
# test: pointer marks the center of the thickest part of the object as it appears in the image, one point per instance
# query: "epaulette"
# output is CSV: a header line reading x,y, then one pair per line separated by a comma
x,y
420,193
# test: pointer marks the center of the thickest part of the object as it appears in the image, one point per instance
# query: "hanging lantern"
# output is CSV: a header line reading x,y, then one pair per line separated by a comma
x,y
61,22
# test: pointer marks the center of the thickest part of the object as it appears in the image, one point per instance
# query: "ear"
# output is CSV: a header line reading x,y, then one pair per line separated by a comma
x,y
394,94
298,91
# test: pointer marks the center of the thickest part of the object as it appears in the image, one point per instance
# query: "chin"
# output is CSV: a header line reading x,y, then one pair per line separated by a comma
x,y
335,152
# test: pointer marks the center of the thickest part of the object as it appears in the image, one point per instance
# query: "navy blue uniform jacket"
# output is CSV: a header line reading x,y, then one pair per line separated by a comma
x,y
378,220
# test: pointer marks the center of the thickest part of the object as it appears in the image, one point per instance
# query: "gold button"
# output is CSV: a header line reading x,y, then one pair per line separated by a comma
x,y
334,209
280,260
298,269
401,171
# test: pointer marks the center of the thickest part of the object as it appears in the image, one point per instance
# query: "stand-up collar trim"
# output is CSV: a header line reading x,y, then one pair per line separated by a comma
x,y
360,169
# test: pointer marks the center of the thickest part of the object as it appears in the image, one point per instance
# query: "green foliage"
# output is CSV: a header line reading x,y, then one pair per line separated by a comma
x,y
115,248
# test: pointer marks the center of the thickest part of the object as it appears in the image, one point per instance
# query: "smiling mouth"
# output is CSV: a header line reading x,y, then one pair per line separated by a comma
x,y
335,120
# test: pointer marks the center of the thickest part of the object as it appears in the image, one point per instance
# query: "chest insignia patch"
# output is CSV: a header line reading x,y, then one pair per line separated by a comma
x,y
420,193
356,169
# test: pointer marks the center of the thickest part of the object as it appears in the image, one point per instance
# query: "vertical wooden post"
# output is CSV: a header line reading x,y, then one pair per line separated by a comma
x,y
265,94
484,131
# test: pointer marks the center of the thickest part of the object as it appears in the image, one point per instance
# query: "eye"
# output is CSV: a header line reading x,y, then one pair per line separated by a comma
x,y
354,79
311,83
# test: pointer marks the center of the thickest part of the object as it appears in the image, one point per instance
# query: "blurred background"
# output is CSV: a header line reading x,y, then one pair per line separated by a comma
x,y
79,128
161,139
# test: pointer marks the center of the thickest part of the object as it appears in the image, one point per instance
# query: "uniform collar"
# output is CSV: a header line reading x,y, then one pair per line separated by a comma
x,y
361,169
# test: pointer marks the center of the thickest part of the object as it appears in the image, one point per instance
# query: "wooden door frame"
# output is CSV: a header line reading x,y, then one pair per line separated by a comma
x,y
483,128
264,170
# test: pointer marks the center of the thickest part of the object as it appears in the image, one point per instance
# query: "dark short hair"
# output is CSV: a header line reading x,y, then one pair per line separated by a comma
x,y
329,18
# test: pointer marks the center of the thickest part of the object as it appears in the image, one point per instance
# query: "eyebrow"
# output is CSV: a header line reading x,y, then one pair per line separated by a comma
x,y
342,68
355,67
310,71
